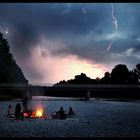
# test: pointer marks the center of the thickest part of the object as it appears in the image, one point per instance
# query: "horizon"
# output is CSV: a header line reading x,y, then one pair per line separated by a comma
x,y
53,42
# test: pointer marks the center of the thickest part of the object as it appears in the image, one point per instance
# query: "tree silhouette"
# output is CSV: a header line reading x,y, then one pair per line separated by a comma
x,y
82,79
106,79
137,71
10,72
133,78
120,74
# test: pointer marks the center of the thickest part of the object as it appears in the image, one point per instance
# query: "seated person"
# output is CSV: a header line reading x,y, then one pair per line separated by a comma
x,y
71,112
10,112
55,115
18,113
25,104
59,114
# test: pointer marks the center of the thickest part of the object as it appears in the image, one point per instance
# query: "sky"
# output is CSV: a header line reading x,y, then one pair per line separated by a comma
x,y
56,41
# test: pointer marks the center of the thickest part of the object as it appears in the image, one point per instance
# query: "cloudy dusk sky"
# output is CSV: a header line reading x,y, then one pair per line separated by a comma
x,y
56,41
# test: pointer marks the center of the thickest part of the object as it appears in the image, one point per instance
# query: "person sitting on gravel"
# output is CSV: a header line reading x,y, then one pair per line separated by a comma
x,y
71,112
10,112
59,114
18,113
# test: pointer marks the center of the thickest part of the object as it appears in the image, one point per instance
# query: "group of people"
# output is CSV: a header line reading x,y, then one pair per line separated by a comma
x,y
61,114
18,114
19,111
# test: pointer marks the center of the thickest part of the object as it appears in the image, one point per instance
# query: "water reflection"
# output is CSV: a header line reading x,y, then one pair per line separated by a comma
x,y
52,98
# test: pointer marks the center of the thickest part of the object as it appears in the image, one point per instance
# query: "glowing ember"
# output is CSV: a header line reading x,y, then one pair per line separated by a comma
x,y
25,115
39,113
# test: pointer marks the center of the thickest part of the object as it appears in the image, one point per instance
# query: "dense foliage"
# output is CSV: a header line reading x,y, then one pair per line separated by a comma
x,y
10,72
120,74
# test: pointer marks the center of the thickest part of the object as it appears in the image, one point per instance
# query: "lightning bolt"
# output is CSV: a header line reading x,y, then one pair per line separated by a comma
x,y
114,20
6,32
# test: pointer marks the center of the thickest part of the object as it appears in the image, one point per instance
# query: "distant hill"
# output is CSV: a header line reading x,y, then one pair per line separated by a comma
x,y
10,72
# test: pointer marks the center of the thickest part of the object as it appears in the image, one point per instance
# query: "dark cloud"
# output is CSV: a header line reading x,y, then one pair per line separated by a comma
x,y
85,35
52,20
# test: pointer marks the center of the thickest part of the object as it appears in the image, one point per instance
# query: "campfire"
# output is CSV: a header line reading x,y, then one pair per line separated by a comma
x,y
39,113
36,113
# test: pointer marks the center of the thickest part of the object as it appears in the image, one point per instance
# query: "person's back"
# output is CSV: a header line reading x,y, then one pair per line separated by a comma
x,y
25,104
62,113
59,114
71,112
18,111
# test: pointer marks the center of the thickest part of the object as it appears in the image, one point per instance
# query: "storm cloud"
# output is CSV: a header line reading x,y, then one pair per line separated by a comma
x,y
55,31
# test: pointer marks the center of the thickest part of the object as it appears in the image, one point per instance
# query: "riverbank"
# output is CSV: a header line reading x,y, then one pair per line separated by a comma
x,y
95,118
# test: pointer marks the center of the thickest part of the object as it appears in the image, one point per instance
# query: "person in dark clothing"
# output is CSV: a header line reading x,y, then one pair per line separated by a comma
x,y
59,114
25,104
25,101
18,113
71,112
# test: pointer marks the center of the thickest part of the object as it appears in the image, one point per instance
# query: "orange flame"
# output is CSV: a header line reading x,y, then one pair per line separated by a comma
x,y
39,112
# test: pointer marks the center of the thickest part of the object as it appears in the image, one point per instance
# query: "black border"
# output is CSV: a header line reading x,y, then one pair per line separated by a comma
x,y
69,1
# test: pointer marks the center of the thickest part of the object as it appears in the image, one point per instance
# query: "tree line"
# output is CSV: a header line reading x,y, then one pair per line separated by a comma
x,y
120,74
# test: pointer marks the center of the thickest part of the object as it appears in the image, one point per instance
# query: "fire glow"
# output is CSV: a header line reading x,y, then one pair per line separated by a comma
x,y
39,113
